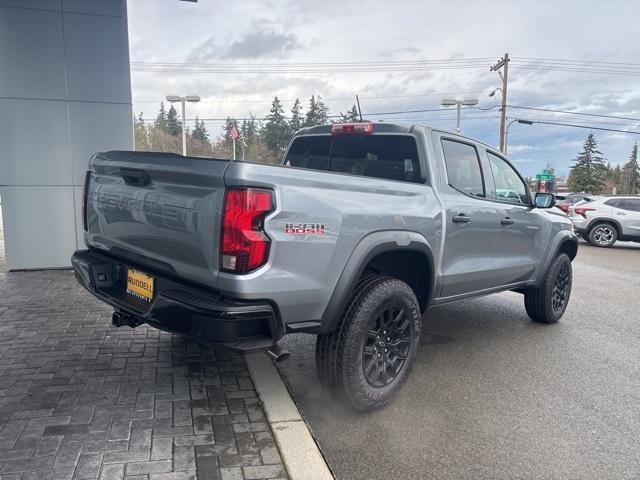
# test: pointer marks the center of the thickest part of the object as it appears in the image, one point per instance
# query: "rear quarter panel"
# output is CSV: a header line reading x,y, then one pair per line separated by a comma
x,y
303,269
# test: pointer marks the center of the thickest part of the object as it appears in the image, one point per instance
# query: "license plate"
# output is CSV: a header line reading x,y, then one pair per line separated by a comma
x,y
139,285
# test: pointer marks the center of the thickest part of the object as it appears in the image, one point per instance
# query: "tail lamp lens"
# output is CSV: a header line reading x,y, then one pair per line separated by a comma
x,y
85,192
245,245
582,211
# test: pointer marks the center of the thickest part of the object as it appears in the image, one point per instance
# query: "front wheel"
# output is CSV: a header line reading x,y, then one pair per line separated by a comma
x,y
548,303
369,355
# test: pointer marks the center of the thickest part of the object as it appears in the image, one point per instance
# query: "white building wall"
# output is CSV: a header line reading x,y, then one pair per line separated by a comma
x,y
65,93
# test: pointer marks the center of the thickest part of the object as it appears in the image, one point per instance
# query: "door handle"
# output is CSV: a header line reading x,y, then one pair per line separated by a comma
x,y
461,218
507,221
620,213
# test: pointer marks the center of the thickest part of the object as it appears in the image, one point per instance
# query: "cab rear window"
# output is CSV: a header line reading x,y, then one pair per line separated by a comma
x,y
392,157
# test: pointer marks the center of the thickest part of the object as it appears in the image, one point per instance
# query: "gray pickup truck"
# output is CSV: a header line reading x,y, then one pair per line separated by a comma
x,y
359,230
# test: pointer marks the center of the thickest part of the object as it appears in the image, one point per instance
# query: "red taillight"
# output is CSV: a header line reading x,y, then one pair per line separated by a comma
x,y
563,207
582,211
85,192
352,129
245,246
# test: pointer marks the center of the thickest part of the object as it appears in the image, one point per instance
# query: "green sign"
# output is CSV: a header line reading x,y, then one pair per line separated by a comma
x,y
545,176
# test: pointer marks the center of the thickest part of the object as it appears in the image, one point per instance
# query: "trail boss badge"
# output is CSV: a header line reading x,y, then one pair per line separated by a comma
x,y
304,228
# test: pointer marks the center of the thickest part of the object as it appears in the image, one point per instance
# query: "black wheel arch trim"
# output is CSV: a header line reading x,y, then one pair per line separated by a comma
x,y
562,237
369,247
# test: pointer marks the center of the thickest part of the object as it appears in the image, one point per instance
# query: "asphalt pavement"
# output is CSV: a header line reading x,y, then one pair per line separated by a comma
x,y
494,395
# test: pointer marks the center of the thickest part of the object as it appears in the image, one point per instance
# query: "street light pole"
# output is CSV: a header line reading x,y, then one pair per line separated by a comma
x,y
448,102
183,100
184,129
506,136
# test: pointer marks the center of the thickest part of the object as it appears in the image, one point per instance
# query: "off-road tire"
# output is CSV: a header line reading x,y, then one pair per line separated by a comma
x,y
339,354
603,235
539,302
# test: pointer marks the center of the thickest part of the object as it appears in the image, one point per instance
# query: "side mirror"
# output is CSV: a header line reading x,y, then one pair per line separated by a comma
x,y
545,200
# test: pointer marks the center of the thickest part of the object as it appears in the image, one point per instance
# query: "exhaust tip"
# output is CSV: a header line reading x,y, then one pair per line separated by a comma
x,y
277,354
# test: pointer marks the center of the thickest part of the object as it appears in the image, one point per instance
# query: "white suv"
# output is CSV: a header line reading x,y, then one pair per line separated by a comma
x,y
608,219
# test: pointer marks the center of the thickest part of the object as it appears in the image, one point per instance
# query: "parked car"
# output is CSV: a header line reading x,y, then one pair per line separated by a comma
x,y
361,229
566,200
607,219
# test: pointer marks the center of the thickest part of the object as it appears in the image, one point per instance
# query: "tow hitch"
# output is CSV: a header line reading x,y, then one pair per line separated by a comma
x,y
121,319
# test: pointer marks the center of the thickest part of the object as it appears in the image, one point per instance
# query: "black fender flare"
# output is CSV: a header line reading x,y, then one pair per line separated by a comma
x,y
560,239
370,246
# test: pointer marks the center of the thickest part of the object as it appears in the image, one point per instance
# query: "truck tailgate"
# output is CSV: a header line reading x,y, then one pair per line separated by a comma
x,y
160,211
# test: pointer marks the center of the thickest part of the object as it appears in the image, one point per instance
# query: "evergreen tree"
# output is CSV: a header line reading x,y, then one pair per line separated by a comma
x,y
250,130
174,125
140,134
275,133
323,112
296,121
351,115
588,172
161,119
200,132
630,178
317,112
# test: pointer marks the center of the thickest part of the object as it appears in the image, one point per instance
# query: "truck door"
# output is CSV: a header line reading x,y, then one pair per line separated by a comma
x,y
471,221
518,242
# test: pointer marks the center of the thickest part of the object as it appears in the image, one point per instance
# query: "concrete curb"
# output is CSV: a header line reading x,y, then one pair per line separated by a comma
x,y
300,454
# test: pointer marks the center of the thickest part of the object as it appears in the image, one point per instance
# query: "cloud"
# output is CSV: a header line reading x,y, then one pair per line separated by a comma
x,y
522,160
253,45
392,52
521,148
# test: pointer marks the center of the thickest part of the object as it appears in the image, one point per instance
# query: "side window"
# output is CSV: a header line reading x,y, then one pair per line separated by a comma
x,y
630,204
463,167
509,186
309,152
613,202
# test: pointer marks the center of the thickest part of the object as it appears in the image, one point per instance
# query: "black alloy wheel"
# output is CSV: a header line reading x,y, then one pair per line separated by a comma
x,y
386,347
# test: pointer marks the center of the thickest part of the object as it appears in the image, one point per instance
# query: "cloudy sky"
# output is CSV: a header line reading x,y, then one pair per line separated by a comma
x,y
237,36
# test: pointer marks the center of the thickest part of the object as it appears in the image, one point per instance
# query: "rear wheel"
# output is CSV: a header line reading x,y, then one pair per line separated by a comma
x,y
603,235
548,303
372,350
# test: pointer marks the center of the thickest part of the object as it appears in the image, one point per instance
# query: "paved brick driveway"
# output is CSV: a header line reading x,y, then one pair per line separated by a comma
x,y
80,399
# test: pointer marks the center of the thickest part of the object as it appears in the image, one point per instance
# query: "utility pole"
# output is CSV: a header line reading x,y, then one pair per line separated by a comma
x,y
503,62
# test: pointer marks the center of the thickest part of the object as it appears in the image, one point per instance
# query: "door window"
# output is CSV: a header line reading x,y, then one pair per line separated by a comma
x,y
463,167
509,186
631,204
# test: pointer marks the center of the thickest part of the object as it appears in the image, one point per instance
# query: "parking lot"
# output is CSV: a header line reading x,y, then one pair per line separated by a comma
x,y
494,395
80,399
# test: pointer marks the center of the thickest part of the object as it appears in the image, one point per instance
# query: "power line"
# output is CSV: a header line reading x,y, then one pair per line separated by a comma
x,y
564,60
632,132
375,97
576,113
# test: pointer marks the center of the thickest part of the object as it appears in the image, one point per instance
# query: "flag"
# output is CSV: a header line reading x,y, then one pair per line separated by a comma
x,y
233,133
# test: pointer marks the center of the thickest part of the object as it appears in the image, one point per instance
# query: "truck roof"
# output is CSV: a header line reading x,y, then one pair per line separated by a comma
x,y
384,127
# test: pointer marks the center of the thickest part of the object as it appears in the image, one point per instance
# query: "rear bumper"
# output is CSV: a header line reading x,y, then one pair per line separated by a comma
x,y
180,307
579,223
